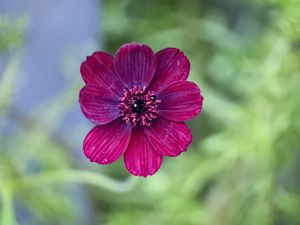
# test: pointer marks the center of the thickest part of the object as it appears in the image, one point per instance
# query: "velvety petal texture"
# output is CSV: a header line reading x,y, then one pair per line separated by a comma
x,y
105,144
139,102
168,138
172,65
99,105
135,65
98,70
181,100
140,158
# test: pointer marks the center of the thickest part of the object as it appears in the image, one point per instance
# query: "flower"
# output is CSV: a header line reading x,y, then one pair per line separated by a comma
x,y
138,101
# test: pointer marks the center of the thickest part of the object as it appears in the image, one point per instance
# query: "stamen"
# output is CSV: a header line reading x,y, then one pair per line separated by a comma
x,y
138,106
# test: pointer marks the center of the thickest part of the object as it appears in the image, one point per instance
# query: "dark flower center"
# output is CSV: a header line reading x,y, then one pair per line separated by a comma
x,y
138,106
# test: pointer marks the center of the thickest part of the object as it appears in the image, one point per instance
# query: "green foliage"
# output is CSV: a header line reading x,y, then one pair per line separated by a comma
x,y
11,32
243,163
242,167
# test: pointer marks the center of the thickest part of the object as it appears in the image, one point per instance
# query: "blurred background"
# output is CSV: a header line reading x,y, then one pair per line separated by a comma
x,y
243,165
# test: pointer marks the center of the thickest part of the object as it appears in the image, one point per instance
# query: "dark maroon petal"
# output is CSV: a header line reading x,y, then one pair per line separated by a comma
x,y
172,65
106,143
99,105
135,65
180,101
98,70
140,158
169,138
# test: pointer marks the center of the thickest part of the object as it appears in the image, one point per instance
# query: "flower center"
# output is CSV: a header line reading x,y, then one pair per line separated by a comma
x,y
138,106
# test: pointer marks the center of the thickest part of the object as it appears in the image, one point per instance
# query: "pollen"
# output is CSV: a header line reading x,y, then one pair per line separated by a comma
x,y
138,106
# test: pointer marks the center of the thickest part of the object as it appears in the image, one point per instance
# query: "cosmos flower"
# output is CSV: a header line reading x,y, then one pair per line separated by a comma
x,y
138,101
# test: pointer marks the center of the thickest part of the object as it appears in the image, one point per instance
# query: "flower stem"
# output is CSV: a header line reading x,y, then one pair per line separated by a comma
x,y
72,176
7,210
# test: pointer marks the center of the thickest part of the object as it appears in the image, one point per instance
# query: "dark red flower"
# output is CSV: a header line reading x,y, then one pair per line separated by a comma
x,y
138,101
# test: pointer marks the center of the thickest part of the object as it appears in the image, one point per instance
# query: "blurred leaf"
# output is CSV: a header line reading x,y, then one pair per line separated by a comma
x,y
8,82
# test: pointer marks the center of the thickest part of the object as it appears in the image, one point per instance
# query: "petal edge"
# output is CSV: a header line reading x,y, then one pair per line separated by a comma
x,y
140,158
105,144
135,65
98,70
169,138
98,105
172,65
180,101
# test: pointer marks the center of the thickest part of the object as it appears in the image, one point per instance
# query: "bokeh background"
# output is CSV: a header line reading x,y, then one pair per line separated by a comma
x,y
243,165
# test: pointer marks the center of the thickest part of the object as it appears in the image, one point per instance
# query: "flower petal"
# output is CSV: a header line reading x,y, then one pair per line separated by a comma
x,y
99,105
140,158
181,100
135,65
168,138
98,70
172,65
105,144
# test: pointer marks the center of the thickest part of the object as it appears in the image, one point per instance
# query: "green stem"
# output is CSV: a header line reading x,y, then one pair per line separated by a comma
x,y
8,215
72,176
